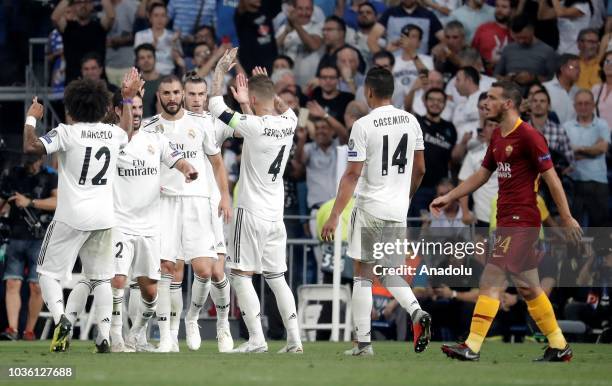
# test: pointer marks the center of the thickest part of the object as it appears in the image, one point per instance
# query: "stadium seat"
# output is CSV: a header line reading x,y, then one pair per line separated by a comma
x,y
318,293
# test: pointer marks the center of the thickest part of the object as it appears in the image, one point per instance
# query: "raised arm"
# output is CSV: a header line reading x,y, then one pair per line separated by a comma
x,y
108,18
31,143
132,83
58,17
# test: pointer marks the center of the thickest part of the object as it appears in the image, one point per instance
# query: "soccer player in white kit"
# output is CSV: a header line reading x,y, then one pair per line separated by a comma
x,y
386,150
196,101
186,213
258,239
87,152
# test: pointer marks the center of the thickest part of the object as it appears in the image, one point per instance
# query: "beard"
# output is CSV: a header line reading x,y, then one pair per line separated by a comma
x,y
434,114
366,25
136,122
501,115
172,109
502,19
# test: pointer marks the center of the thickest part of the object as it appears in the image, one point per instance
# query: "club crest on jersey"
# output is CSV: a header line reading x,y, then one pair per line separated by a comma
x,y
191,133
351,144
509,149
150,149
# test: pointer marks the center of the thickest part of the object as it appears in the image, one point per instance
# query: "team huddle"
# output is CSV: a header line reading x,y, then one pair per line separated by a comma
x,y
138,200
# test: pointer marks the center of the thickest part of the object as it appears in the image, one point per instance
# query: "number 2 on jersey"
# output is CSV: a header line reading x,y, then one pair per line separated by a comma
x,y
399,155
276,164
98,178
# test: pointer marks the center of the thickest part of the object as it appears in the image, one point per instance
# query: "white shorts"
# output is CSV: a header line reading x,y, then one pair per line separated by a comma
x,y
365,228
256,244
217,226
186,228
139,255
63,244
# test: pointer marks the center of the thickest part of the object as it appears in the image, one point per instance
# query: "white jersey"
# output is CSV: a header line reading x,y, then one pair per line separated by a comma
x,y
87,160
385,140
192,134
221,133
136,190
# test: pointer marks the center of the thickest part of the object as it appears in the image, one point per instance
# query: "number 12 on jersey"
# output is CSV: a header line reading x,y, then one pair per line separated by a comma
x,y
98,178
399,155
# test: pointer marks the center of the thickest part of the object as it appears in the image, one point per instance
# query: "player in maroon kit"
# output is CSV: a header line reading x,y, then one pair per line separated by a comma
x,y
520,155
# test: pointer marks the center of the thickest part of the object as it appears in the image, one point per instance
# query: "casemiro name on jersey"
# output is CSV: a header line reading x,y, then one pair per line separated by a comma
x,y
388,121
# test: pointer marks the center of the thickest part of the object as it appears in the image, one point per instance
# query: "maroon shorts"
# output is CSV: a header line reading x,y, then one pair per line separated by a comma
x,y
516,250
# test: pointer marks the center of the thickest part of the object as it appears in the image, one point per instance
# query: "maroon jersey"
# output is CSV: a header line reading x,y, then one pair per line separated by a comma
x,y
519,158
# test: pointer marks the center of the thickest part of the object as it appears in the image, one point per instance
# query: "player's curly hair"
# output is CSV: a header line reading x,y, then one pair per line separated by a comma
x,y
86,100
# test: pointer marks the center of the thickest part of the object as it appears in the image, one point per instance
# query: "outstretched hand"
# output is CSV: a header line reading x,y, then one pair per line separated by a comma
x,y
132,84
258,70
228,60
36,109
438,204
241,91
279,105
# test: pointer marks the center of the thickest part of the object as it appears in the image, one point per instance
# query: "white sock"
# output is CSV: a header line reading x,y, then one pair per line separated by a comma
x,y
117,319
77,300
402,292
176,307
163,307
134,302
146,311
362,308
286,305
199,292
53,296
220,294
103,295
249,306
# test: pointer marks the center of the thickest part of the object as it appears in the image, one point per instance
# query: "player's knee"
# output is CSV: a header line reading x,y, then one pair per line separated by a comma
x,y
529,293
148,293
218,273
118,281
167,267
35,289
13,285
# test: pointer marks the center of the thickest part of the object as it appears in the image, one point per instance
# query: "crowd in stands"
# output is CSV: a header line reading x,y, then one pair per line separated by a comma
x,y
444,55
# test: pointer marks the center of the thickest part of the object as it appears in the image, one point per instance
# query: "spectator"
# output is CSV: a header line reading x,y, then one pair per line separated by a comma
x,y
409,62
386,60
56,58
225,21
440,138
348,64
468,140
300,39
365,22
589,137
483,196
555,135
145,61
167,48
526,59
120,41
562,88
319,158
204,61
491,38
188,15
86,33
284,80
572,17
354,111
207,35
350,11
525,107
256,35
34,189
588,48
91,68
327,95
446,55
452,214
469,57
394,19
442,8
603,99
465,117
334,38
415,99
282,62
473,14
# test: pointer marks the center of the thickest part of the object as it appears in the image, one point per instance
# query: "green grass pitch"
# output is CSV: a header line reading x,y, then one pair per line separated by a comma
x,y
322,364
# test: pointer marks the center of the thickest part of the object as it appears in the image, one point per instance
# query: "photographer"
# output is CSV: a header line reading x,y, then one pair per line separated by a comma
x,y
31,193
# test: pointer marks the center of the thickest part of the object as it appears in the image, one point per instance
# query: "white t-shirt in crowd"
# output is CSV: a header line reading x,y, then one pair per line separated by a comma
x,y
484,195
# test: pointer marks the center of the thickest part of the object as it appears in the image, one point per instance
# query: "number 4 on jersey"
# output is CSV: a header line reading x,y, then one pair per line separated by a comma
x,y
399,156
275,168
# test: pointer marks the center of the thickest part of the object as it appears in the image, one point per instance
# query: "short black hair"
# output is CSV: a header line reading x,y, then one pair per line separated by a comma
x,y
435,90
510,90
412,27
86,100
521,22
324,66
587,31
564,59
368,4
287,59
169,79
338,21
156,5
482,96
380,81
212,30
146,47
472,73
92,56
545,92
384,54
